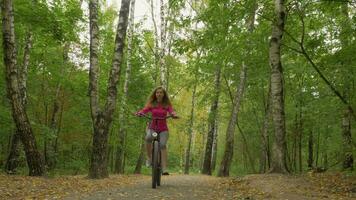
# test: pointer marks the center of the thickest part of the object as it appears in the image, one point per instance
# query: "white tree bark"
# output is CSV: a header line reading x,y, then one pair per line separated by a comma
x,y
19,114
102,119
190,134
119,164
212,124
229,142
279,164
163,68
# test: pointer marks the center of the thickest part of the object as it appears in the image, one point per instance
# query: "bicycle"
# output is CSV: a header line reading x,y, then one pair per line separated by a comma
x,y
156,153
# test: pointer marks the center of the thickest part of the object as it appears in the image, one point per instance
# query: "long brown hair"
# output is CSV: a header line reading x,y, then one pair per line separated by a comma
x,y
152,100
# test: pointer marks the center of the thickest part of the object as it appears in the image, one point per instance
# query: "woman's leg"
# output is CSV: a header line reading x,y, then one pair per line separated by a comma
x,y
163,143
148,140
149,150
164,159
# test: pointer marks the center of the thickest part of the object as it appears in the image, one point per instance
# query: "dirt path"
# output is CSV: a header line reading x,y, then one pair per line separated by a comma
x,y
252,187
185,187
308,186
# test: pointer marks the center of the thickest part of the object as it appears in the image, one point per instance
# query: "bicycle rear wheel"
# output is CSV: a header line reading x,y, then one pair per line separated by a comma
x,y
155,164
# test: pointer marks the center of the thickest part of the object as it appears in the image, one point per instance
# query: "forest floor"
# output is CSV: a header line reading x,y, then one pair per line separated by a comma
x,y
176,186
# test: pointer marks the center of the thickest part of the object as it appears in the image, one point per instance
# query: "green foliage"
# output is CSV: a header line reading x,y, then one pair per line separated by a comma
x,y
213,34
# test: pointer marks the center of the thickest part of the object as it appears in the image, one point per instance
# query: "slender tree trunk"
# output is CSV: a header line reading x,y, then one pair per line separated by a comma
x,y
279,158
163,69
212,120
13,157
317,150
310,150
59,126
347,141
300,137
119,164
12,160
141,157
265,151
229,142
156,48
346,119
215,147
102,119
201,160
34,158
50,153
190,133
248,154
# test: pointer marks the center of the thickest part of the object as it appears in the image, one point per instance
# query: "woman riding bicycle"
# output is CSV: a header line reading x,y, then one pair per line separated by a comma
x,y
159,105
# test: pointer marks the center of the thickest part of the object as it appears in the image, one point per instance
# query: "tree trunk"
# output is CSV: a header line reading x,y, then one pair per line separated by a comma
x,y
22,76
229,142
34,158
51,157
141,157
102,119
265,150
310,151
13,158
279,162
163,68
190,133
119,164
346,119
300,137
347,141
156,48
215,147
212,121
317,150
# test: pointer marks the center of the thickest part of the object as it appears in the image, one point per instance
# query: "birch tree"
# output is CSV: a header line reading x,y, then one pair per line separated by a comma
x,y
212,123
12,160
190,133
279,161
19,114
102,117
119,165
346,118
229,141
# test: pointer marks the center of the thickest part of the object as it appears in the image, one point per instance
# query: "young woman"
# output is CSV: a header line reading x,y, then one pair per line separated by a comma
x,y
159,105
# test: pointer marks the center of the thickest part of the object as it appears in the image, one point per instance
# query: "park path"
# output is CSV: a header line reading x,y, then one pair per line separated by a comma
x,y
187,187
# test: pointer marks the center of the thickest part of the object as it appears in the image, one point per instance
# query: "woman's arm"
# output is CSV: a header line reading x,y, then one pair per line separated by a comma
x,y
172,112
144,111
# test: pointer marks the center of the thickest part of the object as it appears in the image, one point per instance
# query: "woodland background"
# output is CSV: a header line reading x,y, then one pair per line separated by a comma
x,y
214,58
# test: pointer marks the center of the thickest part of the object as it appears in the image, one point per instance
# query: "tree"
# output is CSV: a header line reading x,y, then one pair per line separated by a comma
x,y
102,118
16,93
279,155
119,166
229,143
212,123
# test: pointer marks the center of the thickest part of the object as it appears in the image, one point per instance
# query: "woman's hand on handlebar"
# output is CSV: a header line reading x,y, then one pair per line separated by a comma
x,y
138,114
174,116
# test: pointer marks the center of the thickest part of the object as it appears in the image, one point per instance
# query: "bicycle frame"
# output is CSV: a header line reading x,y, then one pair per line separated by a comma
x,y
156,154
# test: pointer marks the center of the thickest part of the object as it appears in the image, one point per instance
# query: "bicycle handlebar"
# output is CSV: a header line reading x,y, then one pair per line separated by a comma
x,y
156,118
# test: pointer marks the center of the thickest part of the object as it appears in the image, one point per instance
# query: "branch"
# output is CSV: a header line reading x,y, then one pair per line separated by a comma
x,y
292,48
337,93
303,51
228,89
248,153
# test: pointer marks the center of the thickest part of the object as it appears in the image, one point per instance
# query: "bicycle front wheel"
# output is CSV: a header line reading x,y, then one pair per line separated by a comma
x,y
155,164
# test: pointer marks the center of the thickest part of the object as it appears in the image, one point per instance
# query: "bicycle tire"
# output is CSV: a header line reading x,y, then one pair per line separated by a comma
x,y
155,164
159,169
